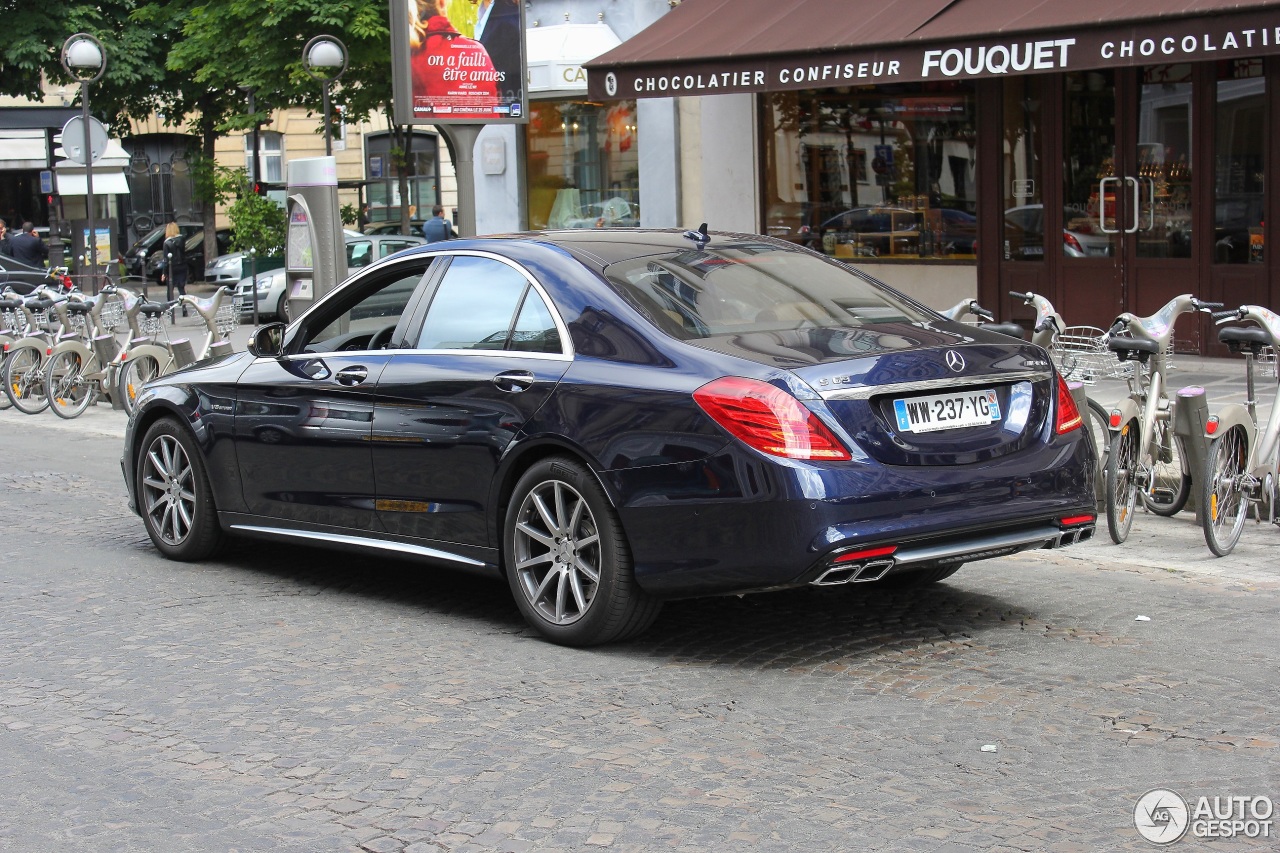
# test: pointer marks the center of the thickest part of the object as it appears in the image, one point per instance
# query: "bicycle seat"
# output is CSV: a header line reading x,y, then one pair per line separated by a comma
x,y
10,304
79,307
1131,348
1013,330
37,304
1241,338
152,309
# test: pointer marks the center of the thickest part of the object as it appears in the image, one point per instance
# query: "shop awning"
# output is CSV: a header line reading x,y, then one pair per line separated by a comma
x,y
708,47
105,182
23,149
556,55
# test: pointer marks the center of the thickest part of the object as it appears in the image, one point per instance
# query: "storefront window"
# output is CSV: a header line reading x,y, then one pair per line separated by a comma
x,y
1239,144
1164,221
583,165
1090,227
1023,184
885,173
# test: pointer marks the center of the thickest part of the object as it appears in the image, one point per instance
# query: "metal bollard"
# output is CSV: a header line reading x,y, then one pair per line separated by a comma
x,y
107,348
218,349
183,353
1190,414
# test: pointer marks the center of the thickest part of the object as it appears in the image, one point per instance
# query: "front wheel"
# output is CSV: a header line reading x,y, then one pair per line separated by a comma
x,y
174,495
1121,482
24,380
1170,476
70,393
133,375
1223,506
568,561
282,308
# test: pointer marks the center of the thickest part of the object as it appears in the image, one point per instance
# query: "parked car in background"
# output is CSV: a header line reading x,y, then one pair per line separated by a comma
x,y
194,249
1024,231
393,227
23,277
149,244
604,419
362,250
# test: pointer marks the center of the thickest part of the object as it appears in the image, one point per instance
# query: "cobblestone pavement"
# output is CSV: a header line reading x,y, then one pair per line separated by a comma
x,y
282,698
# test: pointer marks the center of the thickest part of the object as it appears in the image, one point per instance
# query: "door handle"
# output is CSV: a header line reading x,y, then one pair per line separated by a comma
x,y
1137,207
514,381
352,375
1102,206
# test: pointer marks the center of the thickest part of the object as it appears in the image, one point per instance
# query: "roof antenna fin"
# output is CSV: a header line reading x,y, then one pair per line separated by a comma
x,y
701,237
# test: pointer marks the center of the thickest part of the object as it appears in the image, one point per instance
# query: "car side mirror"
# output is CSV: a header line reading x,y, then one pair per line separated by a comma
x,y
268,341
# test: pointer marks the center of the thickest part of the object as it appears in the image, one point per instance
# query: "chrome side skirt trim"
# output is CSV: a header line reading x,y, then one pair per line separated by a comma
x,y
343,539
1020,540
944,383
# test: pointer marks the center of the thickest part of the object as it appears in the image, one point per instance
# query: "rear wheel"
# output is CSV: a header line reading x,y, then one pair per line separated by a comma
x,y
1121,482
174,496
5,402
70,393
568,561
1100,438
1223,507
1170,475
133,375
24,380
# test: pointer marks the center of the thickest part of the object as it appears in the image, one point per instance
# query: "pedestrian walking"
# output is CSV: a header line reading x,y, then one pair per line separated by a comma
x,y
438,228
28,248
174,254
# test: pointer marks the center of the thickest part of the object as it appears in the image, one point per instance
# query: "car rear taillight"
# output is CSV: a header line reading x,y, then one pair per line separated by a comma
x,y
1069,240
854,556
1073,520
1068,414
768,419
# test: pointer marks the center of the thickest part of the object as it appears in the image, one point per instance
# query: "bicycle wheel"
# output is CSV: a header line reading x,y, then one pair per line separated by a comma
x,y
136,373
1100,437
1121,482
5,403
24,380
1170,477
1223,507
69,392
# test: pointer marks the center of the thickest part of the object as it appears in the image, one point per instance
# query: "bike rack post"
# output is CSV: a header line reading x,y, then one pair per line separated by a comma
x,y
1190,414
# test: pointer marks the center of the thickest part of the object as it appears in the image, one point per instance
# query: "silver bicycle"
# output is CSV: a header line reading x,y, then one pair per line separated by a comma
x,y
1243,466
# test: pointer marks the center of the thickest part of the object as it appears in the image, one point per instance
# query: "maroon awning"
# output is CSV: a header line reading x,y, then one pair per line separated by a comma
x,y
708,47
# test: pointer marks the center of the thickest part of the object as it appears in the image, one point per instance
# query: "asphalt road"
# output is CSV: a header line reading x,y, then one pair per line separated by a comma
x,y
286,698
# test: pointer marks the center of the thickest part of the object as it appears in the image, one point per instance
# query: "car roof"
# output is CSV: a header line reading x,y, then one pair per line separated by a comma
x,y
603,246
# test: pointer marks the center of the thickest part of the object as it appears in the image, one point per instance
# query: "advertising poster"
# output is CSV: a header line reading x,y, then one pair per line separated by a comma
x,y
465,60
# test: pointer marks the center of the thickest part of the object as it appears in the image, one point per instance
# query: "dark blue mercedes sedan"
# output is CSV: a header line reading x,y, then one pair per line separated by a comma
x,y
608,419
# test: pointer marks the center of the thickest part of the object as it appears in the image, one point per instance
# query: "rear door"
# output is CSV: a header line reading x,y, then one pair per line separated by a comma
x,y
487,355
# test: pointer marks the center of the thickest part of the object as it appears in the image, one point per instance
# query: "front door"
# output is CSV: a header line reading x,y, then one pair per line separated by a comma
x,y
1128,187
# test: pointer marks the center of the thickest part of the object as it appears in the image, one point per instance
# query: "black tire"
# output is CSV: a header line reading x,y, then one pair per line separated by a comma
x,y
133,375
560,531
174,497
5,402
1170,476
1121,482
282,307
24,380
916,578
1097,419
69,392
1223,506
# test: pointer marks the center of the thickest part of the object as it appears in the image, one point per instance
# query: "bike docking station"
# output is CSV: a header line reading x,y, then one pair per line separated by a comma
x,y
315,249
1190,414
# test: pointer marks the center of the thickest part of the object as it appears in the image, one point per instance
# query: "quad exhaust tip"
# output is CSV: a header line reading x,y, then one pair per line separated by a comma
x,y
863,572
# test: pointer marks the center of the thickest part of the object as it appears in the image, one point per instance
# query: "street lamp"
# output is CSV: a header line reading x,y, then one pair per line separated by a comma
x,y
325,60
84,59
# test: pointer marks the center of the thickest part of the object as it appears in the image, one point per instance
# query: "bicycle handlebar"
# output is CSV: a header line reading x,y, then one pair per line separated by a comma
x,y
1220,317
1205,306
1025,297
977,309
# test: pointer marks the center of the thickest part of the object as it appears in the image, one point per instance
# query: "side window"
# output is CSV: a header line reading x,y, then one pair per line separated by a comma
x,y
473,307
359,254
390,247
535,330
366,312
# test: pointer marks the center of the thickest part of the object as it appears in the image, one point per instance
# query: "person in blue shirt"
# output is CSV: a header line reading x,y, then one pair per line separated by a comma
x,y
437,227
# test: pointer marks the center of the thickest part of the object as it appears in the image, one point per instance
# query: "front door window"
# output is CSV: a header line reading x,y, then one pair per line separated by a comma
x,y
1240,144
1160,179
1092,189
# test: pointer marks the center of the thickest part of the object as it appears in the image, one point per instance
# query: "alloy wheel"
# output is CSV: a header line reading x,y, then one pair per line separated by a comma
x,y
168,495
557,552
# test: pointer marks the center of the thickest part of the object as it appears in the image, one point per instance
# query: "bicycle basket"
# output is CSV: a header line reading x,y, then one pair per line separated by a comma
x,y
12,321
227,319
111,316
152,326
1081,355
1267,362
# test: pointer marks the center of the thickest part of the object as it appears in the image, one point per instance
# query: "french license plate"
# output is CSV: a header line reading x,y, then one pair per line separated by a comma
x,y
946,411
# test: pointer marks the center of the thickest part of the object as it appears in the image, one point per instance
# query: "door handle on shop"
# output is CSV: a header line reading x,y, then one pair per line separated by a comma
x,y
514,381
352,375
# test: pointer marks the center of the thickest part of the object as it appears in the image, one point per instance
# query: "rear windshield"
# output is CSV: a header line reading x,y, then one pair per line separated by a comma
x,y
753,287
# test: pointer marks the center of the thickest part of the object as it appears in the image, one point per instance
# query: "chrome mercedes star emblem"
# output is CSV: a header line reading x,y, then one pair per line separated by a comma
x,y
955,360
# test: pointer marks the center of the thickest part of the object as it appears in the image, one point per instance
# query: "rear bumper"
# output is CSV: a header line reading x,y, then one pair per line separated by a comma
x,y
781,524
